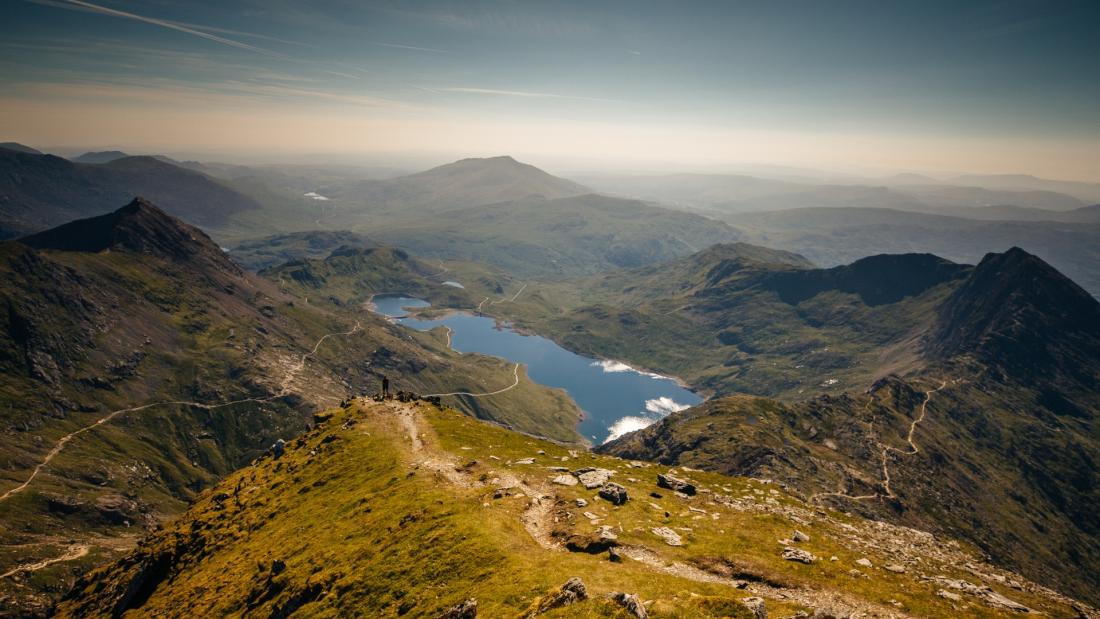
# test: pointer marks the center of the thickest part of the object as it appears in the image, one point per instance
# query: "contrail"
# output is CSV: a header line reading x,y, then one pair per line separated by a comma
x,y
173,26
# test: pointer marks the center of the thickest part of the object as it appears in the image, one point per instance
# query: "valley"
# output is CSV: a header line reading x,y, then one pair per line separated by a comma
x,y
906,395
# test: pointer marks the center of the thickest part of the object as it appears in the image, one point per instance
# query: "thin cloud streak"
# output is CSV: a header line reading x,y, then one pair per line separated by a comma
x,y
163,23
415,48
516,93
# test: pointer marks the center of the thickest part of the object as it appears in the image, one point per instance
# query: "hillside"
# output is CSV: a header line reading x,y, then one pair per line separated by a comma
x,y
557,238
991,437
41,191
741,318
140,365
263,253
391,509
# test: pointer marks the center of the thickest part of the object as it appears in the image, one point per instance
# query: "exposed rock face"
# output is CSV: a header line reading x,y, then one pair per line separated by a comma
x,y
631,603
465,610
614,493
565,480
676,484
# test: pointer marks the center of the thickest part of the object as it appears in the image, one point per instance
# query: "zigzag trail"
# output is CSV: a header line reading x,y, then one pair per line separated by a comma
x,y
885,449
502,299
515,375
284,389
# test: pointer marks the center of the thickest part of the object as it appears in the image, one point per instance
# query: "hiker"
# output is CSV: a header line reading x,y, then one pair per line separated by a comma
x,y
385,387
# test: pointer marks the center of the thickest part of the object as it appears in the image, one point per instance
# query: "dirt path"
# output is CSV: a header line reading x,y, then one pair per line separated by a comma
x,y
515,383
284,389
886,449
73,553
537,518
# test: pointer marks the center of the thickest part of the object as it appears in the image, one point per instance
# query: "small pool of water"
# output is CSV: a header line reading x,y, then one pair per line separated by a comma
x,y
614,397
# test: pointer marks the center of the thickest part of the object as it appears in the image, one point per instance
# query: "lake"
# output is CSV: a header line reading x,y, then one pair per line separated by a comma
x,y
615,398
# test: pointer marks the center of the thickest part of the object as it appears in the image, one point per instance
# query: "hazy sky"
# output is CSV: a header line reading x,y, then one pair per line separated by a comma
x,y
1007,86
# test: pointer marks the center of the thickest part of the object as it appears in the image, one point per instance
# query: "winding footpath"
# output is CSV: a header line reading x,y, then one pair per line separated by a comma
x,y
502,299
885,451
515,383
284,390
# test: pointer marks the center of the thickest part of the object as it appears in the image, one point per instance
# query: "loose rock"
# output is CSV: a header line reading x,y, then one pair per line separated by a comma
x,y
672,538
675,484
565,480
465,610
592,478
571,592
631,603
614,493
797,554
756,605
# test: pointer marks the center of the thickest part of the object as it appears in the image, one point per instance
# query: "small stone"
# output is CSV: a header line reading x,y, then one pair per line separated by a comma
x,y
525,461
465,610
672,538
582,503
613,555
893,567
865,562
631,603
799,536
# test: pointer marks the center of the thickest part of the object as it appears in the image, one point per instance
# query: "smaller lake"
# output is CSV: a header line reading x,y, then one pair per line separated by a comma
x,y
615,398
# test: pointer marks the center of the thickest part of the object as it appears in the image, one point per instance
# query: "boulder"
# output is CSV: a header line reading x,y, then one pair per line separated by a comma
x,y
675,484
865,562
672,538
895,568
465,610
592,478
799,536
565,480
797,554
614,493
756,605
631,603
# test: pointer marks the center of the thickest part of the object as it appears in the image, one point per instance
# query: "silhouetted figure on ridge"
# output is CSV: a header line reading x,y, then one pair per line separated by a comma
x,y
385,387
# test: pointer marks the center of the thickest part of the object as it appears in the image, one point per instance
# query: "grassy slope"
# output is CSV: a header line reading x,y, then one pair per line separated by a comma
x,y
731,334
369,524
205,345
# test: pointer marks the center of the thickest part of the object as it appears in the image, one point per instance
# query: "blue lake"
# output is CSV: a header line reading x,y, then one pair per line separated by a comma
x,y
614,397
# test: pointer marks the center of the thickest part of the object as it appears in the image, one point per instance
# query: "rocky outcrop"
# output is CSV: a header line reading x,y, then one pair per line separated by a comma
x,y
675,484
614,493
571,592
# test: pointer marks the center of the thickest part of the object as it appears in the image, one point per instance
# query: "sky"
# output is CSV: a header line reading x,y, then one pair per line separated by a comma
x,y
991,87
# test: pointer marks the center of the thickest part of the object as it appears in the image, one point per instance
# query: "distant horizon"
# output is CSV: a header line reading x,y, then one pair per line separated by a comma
x,y
412,161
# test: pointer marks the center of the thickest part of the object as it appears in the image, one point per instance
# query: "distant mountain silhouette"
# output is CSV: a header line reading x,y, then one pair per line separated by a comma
x,y
19,148
40,191
102,156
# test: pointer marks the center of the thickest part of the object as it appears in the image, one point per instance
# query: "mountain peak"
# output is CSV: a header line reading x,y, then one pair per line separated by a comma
x,y
138,227
1018,313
